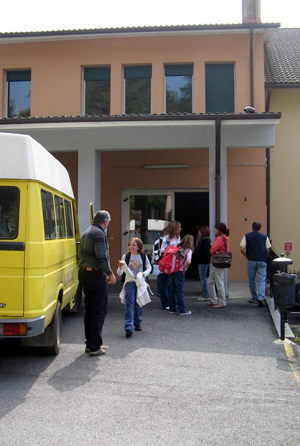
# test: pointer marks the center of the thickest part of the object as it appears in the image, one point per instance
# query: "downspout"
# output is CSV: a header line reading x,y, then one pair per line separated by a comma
x,y
251,69
268,176
218,169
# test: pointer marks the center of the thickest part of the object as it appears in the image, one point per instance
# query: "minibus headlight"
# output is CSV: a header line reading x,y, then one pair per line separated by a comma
x,y
13,329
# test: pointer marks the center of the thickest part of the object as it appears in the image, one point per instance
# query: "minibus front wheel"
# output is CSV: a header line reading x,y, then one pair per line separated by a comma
x,y
56,324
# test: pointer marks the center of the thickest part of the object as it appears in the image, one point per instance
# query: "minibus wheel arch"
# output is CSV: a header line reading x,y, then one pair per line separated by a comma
x,y
56,331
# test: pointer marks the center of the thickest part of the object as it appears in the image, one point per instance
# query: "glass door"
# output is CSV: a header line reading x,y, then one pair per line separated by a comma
x,y
145,214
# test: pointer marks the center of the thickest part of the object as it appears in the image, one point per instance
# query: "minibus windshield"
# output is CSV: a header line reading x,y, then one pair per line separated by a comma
x,y
9,212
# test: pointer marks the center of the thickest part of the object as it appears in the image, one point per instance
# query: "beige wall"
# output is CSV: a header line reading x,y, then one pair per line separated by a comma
x,y
56,68
285,173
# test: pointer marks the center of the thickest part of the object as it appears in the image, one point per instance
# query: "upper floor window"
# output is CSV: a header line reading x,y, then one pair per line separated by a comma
x,y
219,87
18,93
138,89
97,90
179,88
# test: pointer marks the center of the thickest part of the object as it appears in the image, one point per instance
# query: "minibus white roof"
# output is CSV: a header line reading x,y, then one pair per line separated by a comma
x,y
24,158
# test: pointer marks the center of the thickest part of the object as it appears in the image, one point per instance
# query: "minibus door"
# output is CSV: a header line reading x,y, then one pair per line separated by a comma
x,y
12,250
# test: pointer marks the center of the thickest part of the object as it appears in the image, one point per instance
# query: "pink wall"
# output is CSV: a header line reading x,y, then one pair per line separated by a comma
x,y
56,68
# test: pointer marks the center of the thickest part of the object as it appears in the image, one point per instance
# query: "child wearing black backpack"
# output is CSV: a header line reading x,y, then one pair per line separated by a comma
x,y
176,296
137,262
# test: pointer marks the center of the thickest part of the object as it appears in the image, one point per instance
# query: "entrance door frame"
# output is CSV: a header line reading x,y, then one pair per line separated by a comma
x,y
125,206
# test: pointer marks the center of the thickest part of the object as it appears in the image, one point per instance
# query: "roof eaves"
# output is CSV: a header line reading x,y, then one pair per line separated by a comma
x,y
136,30
140,117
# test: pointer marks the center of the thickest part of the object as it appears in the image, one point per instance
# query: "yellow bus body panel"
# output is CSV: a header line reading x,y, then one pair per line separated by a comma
x,y
32,280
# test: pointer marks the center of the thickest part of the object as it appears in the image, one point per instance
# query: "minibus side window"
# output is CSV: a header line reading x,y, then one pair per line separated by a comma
x,y
68,211
9,212
48,214
60,217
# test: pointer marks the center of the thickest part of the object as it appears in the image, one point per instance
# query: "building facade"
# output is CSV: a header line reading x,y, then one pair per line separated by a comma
x,y
149,122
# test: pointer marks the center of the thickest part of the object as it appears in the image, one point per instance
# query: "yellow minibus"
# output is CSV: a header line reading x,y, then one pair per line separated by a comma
x,y
39,243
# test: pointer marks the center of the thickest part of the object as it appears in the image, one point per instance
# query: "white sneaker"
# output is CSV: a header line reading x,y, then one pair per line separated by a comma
x,y
202,299
186,313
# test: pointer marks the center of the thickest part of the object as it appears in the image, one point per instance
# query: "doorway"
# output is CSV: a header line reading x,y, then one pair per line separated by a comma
x,y
146,212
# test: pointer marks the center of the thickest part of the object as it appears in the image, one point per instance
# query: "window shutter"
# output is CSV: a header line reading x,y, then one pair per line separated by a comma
x,y
96,73
179,70
219,88
138,72
21,75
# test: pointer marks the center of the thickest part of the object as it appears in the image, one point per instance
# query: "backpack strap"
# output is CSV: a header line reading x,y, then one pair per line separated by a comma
x,y
225,243
127,259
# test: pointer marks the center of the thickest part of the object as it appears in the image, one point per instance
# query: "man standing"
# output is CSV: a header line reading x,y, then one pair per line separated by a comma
x,y
94,272
255,246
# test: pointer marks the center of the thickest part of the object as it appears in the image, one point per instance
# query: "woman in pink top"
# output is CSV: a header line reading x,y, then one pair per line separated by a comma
x,y
216,277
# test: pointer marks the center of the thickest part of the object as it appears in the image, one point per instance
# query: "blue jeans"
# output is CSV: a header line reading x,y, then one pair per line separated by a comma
x,y
164,280
94,285
133,312
176,297
259,268
203,277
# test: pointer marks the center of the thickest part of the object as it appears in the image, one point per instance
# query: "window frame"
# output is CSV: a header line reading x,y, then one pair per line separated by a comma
x,y
51,235
69,218
124,77
21,75
101,76
217,63
180,67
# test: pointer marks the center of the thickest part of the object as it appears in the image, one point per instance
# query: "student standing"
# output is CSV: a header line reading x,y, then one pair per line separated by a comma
x,y
203,258
216,277
137,262
171,239
176,295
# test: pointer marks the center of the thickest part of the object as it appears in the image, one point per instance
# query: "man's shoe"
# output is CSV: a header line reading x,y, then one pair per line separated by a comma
x,y
253,301
186,313
99,352
202,299
260,302
104,347
128,333
138,328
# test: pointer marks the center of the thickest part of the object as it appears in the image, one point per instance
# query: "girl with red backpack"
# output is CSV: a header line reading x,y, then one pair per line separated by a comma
x,y
176,296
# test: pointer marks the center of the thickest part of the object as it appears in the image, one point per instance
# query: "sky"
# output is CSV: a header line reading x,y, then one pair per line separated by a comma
x,y
36,15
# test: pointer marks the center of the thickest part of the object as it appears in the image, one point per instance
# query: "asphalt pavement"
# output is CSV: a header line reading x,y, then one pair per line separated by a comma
x,y
216,377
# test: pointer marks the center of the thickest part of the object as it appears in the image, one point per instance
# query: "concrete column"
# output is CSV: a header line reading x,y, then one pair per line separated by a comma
x,y
212,187
89,185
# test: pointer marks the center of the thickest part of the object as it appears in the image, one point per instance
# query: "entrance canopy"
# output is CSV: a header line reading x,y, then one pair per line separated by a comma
x,y
89,136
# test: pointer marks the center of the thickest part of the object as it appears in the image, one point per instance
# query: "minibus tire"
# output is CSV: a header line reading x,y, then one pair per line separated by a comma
x,y
56,322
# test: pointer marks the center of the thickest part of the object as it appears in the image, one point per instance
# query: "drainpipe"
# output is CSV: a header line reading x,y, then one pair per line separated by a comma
x,y
251,69
218,169
268,176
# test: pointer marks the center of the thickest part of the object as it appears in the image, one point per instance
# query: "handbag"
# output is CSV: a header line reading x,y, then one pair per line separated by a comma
x,y
222,259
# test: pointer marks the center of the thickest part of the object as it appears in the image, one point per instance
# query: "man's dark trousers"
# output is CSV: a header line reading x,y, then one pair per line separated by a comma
x,y
94,285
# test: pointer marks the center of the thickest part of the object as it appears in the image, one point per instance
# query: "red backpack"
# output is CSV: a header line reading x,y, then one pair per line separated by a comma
x,y
172,260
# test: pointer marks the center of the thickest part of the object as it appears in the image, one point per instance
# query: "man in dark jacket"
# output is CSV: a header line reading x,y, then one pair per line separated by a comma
x,y
255,246
94,273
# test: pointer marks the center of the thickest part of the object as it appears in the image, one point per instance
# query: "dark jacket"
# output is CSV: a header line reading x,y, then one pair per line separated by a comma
x,y
203,251
256,246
